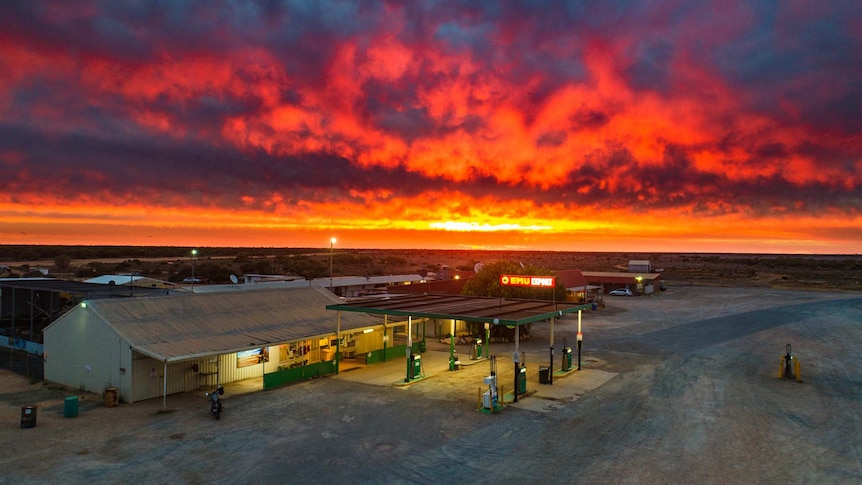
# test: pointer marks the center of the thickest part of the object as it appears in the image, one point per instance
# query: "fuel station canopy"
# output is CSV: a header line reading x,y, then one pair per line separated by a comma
x,y
499,311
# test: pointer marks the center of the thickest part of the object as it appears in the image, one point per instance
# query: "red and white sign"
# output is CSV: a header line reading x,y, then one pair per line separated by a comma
x,y
520,280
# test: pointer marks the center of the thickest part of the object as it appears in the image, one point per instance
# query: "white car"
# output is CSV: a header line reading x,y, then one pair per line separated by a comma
x,y
621,292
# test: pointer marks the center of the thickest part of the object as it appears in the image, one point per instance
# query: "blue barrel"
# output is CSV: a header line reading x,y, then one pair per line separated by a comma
x,y
70,408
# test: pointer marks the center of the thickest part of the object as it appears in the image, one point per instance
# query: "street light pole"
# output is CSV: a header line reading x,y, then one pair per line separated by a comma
x,y
194,252
331,246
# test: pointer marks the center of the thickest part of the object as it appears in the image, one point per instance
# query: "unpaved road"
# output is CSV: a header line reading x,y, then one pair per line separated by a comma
x,y
695,400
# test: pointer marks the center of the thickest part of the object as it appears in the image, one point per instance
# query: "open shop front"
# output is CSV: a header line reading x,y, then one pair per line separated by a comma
x,y
302,359
328,354
382,343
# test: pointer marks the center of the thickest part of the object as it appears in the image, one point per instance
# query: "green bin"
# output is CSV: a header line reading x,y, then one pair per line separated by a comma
x,y
70,407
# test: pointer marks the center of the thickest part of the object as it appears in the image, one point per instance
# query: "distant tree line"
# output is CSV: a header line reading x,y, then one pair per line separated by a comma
x,y
38,252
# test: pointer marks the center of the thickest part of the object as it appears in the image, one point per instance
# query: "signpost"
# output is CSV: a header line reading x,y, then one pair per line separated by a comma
x,y
535,282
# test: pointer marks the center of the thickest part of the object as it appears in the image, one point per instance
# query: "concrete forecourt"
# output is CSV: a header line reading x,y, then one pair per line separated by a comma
x,y
678,387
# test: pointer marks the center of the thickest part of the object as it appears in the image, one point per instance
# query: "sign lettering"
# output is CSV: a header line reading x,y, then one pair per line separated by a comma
x,y
520,280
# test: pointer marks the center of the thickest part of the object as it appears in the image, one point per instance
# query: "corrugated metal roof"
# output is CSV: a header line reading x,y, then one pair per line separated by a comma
x,y
338,281
88,290
571,278
467,308
185,326
124,279
618,278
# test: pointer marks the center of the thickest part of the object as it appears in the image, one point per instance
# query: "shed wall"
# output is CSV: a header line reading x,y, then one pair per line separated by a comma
x,y
148,374
81,351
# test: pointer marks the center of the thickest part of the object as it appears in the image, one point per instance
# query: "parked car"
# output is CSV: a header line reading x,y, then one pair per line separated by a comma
x,y
621,292
193,280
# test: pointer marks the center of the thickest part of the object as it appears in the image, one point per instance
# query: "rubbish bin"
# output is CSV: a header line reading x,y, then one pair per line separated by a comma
x,y
28,416
544,374
112,396
70,407
454,363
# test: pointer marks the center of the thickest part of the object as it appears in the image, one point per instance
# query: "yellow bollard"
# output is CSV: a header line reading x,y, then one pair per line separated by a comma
x,y
781,368
797,368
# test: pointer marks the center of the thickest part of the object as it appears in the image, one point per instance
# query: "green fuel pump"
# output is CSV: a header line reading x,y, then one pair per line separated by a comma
x,y
415,366
522,381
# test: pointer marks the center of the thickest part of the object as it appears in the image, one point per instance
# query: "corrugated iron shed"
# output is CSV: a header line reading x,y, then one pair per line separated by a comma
x,y
87,290
196,325
503,311
619,278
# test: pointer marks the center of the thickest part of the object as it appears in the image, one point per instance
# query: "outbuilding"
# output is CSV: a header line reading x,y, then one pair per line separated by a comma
x,y
155,346
638,283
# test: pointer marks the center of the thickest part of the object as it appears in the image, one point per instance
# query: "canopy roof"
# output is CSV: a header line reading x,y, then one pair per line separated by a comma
x,y
502,311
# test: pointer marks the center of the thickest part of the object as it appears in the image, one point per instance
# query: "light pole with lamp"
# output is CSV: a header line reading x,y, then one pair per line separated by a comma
x,y
331,246
194,253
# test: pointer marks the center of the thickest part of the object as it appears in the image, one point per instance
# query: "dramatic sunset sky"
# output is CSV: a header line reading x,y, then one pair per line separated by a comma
x,y
697,126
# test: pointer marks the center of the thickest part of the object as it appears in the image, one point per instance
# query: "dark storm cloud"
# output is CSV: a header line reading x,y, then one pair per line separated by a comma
x,y
798,67
178,170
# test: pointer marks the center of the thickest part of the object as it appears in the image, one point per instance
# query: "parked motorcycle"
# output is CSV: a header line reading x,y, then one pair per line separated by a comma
x,y
215,403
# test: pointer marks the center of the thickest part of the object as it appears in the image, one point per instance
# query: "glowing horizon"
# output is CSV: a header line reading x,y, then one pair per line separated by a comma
x,y
570,128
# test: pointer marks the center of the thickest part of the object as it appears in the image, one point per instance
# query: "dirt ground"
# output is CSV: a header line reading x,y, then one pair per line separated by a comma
x,y
695,399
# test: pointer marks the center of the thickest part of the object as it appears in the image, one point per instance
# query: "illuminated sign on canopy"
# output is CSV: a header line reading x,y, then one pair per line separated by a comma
x,y
520,280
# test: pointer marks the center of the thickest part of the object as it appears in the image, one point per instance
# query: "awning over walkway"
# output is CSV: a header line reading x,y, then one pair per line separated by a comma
x,y
502,311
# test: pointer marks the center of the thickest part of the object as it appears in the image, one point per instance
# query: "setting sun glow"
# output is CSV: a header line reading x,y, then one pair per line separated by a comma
x,y
579,128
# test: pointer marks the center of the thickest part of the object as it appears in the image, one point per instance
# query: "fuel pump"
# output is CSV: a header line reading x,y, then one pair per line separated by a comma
x,y
415,366
567,356
489,398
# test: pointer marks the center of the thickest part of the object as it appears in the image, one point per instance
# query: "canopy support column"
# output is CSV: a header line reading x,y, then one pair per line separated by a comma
x,y
385,337
580,339
165,386
551,366
517,357
409,346
337,340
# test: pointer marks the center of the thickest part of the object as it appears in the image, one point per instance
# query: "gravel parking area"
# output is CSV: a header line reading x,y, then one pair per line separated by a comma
x,y
687,393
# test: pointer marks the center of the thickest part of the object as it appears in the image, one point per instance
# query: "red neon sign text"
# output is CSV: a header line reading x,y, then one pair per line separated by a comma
x,y
519,280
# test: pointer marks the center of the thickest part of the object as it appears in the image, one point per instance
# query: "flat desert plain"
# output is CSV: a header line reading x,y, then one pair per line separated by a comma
x,y
685,389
